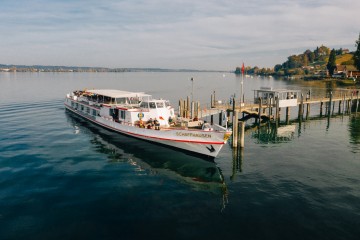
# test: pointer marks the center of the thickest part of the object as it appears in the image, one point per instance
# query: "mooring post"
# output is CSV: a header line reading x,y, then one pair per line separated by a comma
x,y
235,129
184,108
307,111
234,124
339,110
344,103
357,101
241,133
192,112
330,100
300,114
227,116
260,109
198,109
214,100
180,108
321,107
277,110
287,115
269,107
188,107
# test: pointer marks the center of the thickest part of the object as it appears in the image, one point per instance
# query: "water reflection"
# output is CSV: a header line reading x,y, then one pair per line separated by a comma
x,y
354,129
199,173
238,156
271,133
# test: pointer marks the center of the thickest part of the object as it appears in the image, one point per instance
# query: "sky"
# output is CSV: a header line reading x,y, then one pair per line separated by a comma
x,y
173,34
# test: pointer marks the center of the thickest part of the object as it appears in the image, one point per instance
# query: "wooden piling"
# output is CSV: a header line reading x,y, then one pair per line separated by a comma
x,y
321,107
235,129
214,99
287,115
188,107
228,116
307,111
192,110
198,109
329,107
241,134
180,108
301,107
269,107
277,118
260,109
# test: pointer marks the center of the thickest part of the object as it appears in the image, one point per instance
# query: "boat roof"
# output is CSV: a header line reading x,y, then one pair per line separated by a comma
x,y
276,90
117,93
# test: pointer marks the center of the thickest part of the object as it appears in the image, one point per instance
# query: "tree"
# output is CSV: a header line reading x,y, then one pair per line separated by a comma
x,y
311,57
356,56
277,67
331,65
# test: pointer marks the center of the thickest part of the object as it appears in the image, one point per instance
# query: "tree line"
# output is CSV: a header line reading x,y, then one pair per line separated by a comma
x,y
308,62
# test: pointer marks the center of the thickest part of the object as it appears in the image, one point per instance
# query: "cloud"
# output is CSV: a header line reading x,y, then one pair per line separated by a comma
x,y
171,34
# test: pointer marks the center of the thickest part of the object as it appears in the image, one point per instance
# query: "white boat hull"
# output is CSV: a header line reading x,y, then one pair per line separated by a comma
x,y
208,143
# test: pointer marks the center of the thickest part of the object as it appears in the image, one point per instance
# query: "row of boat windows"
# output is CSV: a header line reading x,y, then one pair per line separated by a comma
x,y
84,109
109,100
152,105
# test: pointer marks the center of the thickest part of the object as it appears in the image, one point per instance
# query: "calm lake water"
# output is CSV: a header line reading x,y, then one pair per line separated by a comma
x,y
64,178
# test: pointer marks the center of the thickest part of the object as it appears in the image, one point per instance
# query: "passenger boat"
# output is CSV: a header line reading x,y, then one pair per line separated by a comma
x,y
138,115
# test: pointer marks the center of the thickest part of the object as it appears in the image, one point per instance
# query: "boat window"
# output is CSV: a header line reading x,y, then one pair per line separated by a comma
x,y
160,104
122,114
144,105
94,112
134,100
120,100
152,105
167,104
107,100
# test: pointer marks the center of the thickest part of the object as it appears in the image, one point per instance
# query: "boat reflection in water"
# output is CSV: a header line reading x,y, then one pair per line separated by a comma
x,y
201,174
270,133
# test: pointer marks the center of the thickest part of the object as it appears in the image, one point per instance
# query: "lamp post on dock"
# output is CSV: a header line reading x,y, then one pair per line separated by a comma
x,y
192,98
192,89
242,84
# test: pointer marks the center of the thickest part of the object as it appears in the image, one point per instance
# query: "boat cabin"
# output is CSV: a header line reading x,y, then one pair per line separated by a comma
x,y
287,98
131,108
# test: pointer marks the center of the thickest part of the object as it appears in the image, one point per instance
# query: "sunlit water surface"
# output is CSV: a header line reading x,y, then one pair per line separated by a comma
x,y
64,178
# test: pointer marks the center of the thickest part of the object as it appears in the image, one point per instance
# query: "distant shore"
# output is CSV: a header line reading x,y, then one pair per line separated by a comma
x,y
40,68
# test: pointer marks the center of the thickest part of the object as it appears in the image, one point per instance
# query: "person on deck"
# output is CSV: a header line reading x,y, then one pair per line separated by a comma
x,y
157,124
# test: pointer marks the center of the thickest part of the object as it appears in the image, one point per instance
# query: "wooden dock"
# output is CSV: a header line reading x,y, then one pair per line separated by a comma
x,y
268,109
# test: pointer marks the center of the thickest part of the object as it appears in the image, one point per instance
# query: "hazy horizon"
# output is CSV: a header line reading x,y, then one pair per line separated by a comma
x,y
200,35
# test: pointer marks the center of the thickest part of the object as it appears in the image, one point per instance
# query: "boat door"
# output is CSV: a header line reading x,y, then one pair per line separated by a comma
x,y
116,114
122,115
